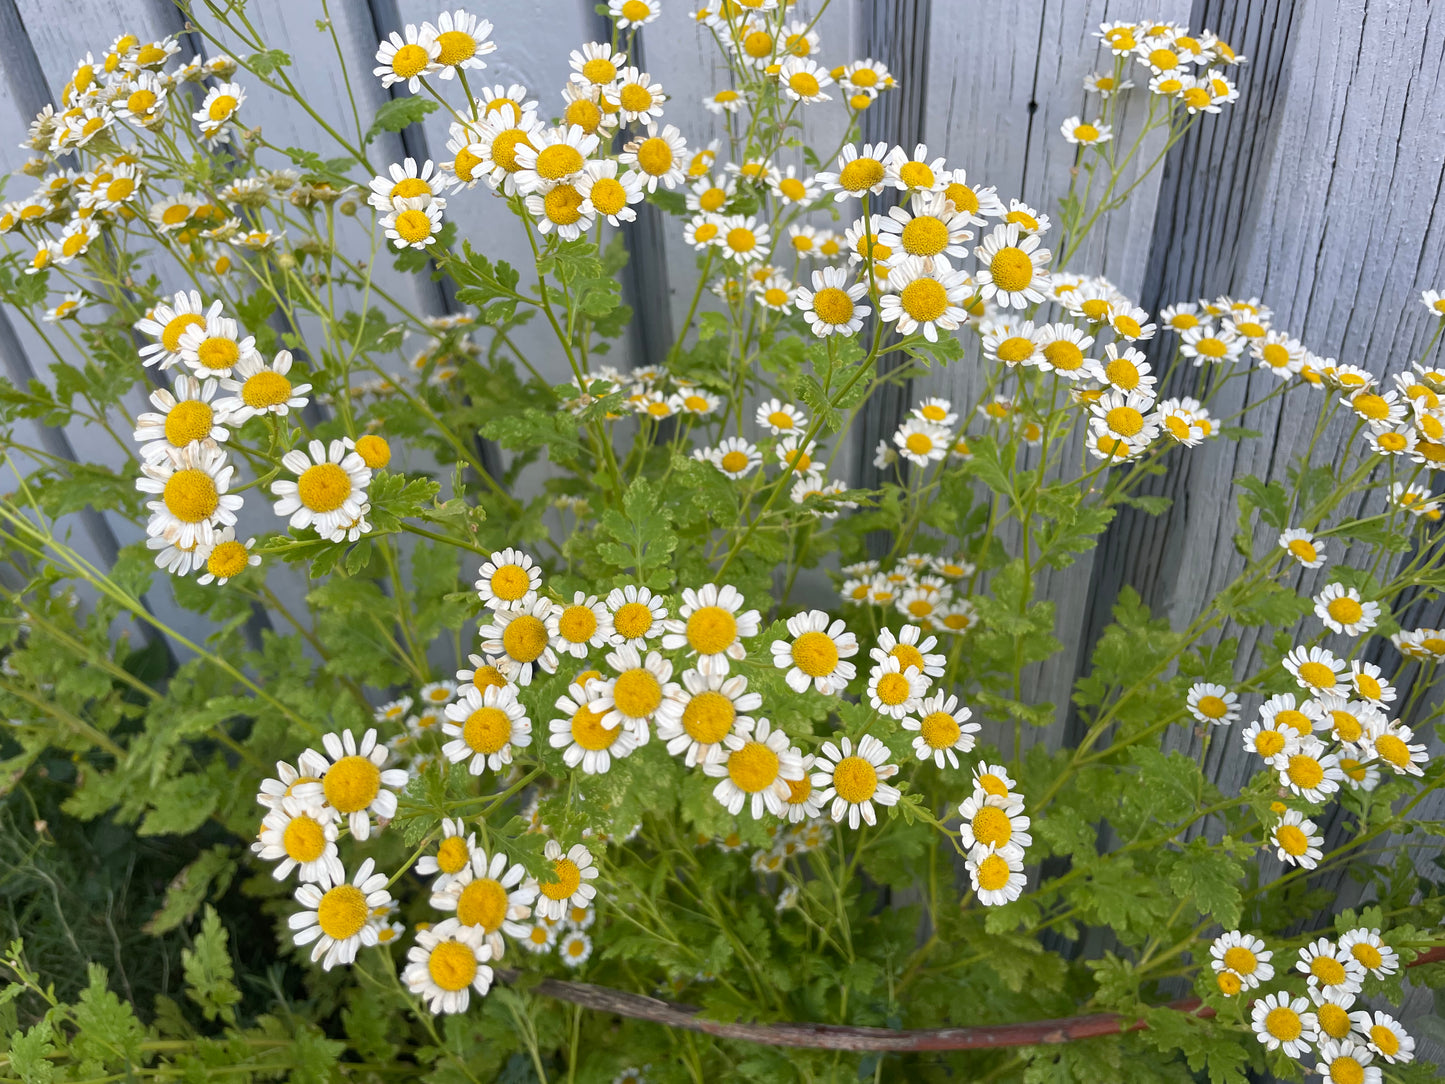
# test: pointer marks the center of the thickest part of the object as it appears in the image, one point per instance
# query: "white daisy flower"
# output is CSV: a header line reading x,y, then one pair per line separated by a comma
x,y
637,615
1243,954
1086,133
711,624
755,769
584,739
833,306
1302,546
337,915
607,192
1384,1035
922,442
1329,968
191,484
1367,947
517,642
1011,268
261,389
407,180
409,59
213,348
485,725
1342,610
852,781
413,223
944,729
924,297
227,557
894,690
858,172
915,173
454,853
488,895
817,653
508,578
1390,742
579,625
1296,842
329,494
540,937
633,697
351,779
659,155
569,883
1213,704
698,714
184,416
1316,669
301,835
1281,1021
803,80
463,41
638,97
446,964
596,64
997,876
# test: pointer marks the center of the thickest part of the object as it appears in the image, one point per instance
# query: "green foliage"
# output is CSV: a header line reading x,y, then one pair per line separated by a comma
x,y
394,114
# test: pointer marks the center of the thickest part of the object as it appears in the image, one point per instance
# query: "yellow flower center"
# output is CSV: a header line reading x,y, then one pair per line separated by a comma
x,y
583,113
588,731
374,451
599,70
962,197
558,161
410,188
634,619
791,188
705,232
815,654
1023,218
711,630
993,873
1229,983
189,420
324,487
457,46
1011,268
893,689
1178,426
487,730
758,44
563,204
637,693
1346,726
566,879
855,779
1367,954
1163,59
924,299
1305,772
992,825
351,784
174,215
1268,742
1197,97
608,196
940,730
452,854
741,239
708,717
525,638
1296,719
804,84
342,912
753,767
861,174
265,389
453,964
734,462
833,306
1240,959
1125,421
635,10
1392,750
1292,839
190,495
1328,970
409,60
218,353
1318,675
1086,133
483,903
222,106
1345,610
1387,1041
1334,1021
1213,707
1304,550
655,156
1283,1023
577,624
413,225
1064,355
228,559
304,839
635,98
1122,373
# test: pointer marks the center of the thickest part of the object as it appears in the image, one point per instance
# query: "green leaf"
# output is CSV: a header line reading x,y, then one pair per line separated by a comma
x,y
208,970
396,114
30,1052
209,874
643,539
107,1029
267,61
1208,874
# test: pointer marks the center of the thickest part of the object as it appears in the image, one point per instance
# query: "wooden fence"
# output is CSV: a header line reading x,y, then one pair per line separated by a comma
x,y
1318,192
